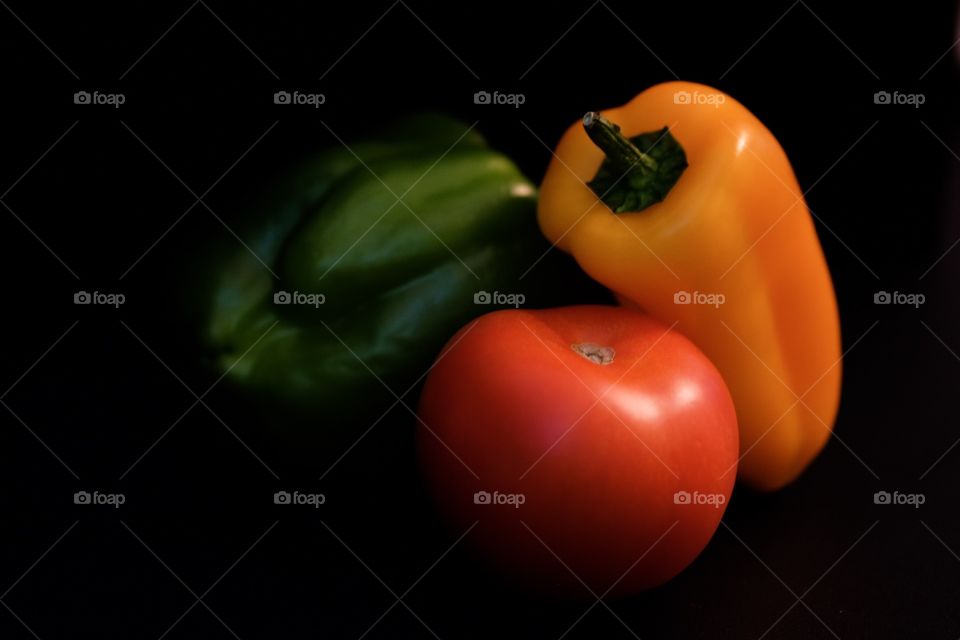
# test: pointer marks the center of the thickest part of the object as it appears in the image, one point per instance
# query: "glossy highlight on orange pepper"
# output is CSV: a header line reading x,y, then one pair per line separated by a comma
x,y
729,254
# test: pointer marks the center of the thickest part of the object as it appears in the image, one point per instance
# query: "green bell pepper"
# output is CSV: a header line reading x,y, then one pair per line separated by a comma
x,y
358,265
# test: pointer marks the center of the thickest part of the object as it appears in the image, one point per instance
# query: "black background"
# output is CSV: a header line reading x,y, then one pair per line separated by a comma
x,y
199,520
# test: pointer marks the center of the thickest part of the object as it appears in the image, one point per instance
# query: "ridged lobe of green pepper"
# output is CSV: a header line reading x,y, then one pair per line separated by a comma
x,y
399,277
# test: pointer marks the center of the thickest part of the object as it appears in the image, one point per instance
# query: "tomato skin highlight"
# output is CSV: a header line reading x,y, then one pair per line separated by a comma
x,y
598,486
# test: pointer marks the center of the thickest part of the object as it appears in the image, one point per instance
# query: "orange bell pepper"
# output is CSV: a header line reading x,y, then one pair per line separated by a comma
x,y
701,222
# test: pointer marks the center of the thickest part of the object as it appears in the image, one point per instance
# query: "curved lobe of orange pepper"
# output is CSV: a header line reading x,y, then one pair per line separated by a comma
x,y
735,224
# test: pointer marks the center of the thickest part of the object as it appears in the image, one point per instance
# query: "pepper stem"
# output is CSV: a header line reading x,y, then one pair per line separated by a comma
x,y
616,146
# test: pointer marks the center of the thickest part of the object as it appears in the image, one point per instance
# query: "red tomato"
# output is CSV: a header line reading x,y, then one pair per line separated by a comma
x,y
594,447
